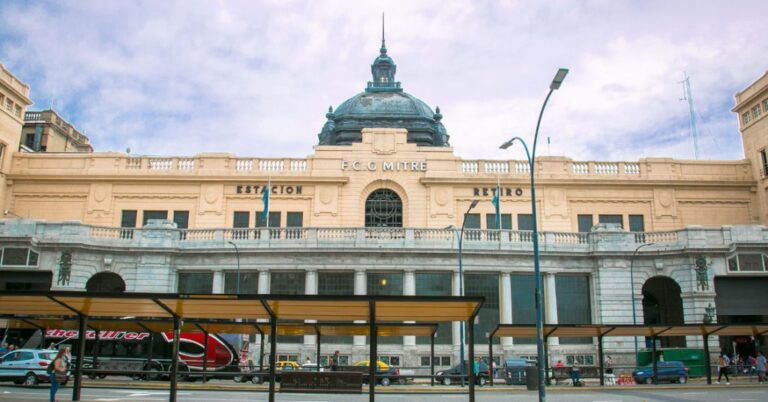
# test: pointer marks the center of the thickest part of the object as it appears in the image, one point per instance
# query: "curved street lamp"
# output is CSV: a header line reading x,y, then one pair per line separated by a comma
x,y
632,287
556,82
460,235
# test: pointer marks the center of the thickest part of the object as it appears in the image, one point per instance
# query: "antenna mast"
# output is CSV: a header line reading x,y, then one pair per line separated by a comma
x,y
688,96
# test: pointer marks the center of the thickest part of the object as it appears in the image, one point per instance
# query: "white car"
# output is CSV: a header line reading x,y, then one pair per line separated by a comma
x,y
26,366
311,367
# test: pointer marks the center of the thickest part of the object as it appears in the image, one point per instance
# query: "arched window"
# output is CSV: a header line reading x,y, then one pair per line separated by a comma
x,y
383,208
105,282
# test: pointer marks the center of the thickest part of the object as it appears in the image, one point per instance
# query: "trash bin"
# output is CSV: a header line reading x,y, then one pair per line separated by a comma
x,y
531,378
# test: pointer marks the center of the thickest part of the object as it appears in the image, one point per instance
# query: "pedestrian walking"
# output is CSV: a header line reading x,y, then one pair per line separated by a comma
x,y
609,377
57,372
760,364
722,368
335,361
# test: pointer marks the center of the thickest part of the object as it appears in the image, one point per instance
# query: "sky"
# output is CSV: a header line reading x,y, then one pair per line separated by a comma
x,y
255,78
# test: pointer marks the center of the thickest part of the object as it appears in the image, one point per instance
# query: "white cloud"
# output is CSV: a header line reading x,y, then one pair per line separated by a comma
x,y
255,78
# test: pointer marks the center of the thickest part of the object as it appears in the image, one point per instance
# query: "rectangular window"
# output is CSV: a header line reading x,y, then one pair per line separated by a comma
x,y
765,105
386,284
435,284
582,360
288,283
636,223
294,220
241,219
337,284
585,223
19,256
506,221
325,359
29,141
8,104
196,282
181,219
746,117
288,358
764,160
524,222
573,304
487,285
617,219
127,220
749,262
756,111
274,220
17,110
390,359
249,282
153,215
523,308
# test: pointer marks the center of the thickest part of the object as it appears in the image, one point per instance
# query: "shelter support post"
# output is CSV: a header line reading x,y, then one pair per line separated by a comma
x,y
707,360
317,354
432,361
148,364
490,359
205,355
471,368
175,358
43,339
546,359
601,359
261,352
655,361
373,362
96,349
81,335
272,356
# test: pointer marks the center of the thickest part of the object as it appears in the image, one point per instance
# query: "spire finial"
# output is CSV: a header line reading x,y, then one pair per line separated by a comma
x,y
383,44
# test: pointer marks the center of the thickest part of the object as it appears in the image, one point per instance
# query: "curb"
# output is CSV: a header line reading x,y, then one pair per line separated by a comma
x,y
424,390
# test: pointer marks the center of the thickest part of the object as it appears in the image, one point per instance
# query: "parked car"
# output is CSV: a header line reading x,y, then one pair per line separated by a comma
x,y
384,372
455,374
26,366
311,367
258,377
671,371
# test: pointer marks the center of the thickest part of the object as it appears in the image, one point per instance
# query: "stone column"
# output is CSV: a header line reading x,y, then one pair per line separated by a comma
x,y
264,282
361,289
409,289
218,282
550,295
310,288
505,303
456,326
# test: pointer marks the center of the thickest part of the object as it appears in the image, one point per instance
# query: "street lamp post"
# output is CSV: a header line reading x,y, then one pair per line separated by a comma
x,y
460,235
632,287
556,82
237,254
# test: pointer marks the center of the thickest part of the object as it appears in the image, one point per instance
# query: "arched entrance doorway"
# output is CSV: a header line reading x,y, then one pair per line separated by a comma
x,y
383,208
662,304
105,282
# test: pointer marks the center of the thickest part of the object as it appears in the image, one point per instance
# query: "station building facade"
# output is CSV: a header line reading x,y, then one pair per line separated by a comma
x,y
374,210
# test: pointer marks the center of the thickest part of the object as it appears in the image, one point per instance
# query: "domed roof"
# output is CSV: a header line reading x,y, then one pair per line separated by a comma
x,y
383,104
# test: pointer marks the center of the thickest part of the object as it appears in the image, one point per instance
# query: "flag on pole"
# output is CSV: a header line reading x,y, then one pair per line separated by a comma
x,y
265,199
497,203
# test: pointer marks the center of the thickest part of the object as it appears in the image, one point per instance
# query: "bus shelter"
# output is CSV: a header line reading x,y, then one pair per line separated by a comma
x,y
654,332
262,313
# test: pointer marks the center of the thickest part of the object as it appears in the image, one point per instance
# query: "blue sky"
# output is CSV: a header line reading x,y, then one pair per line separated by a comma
x,y
255,78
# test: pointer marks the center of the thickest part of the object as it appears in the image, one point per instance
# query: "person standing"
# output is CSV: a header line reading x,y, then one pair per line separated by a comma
x,y
575,374
57,372
609,370
335,361
760,363
722,368
476,369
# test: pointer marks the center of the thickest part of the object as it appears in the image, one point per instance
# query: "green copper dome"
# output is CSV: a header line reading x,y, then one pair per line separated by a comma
x,y
383,104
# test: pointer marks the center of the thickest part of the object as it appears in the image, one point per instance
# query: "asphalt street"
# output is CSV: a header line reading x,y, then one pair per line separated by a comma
x,y
734,394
